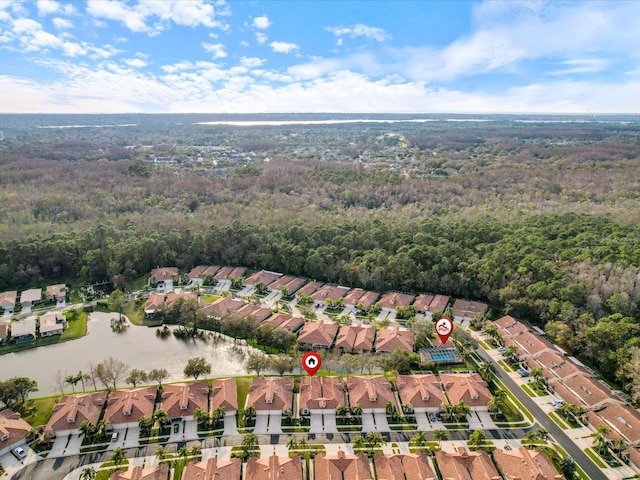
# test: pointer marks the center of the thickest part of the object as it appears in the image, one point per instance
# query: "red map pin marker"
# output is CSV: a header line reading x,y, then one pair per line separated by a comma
x,y
444,327
311,362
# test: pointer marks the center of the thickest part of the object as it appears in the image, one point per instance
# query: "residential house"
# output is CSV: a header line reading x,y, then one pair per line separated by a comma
x,y
4,331
355,339
388,339
126,407
274,468
367,300
181,400
224,273
555,366
213,469
153,303
202,271
29,298
223,307
52,323
263,276
163,278
508,326
289,283
438,304
8,301
173,297
317,335
329,293
271,395
524,463
624,420
351,298
342,467
286,321
468,310
309,288
465,465
24,331
254,311
13,430
589,392
403,467
393,300
423,392
529,344
468,387
372,393
321,394
237,272
421,304
225,394
159,472
72,410
57,293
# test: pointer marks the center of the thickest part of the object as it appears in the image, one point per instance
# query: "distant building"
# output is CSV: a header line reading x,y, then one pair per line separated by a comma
x,y
29,298
24,330
52,323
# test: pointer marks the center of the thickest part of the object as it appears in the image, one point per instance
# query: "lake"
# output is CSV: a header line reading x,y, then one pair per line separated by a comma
x,y
139,347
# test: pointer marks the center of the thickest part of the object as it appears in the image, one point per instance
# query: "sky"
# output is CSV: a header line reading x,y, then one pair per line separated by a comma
x,y
164,56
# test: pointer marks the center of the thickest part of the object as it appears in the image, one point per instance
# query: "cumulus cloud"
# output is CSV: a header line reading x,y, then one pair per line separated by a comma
x,y
62,23
135,62
262,22
216,49
360,30
47,7
261,38
284,47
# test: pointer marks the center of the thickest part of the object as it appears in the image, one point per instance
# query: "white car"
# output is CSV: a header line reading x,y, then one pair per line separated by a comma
x,y
19,452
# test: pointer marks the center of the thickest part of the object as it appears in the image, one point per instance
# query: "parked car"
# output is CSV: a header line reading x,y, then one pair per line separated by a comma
x,y
114,437
19,452
176,427
522,372
432,417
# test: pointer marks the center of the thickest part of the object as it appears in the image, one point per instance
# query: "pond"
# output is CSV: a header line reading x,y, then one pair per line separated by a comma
x,y
138,347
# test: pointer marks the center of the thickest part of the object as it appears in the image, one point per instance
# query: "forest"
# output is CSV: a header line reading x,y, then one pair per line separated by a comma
x,y
537,216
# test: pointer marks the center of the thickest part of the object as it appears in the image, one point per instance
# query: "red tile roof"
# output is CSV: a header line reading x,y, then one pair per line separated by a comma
x,y
420,391
438,304
342,467
271,393
309,288
522,463
353,296
255,311
509,326
72,410
388,339
223,307
213,469
274,468
238,272
355,338
464,465
368,299
422,302
321,393
395,300
154,302
160,472
468,308
203,271
403,467
369,392
286,321
264,276
589,390
8,299
12,427
468,387
328,292
127,406
224,394
164,273
173,297
318,334
181,400
224,273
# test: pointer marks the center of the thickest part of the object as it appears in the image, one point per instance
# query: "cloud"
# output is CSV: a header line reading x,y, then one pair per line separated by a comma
x,y
262,22
284,47
582,66
216,49
261,38
360,30
62,23
251,61
47,7
136,62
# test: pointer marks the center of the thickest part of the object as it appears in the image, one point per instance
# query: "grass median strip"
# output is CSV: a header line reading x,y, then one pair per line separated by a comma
x,y
556,418
595,457
515,401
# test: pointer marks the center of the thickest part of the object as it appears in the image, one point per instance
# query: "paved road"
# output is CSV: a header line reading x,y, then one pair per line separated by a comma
x,y
558,434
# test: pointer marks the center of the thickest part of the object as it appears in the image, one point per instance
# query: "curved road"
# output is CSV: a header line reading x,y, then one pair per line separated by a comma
x,y
558,434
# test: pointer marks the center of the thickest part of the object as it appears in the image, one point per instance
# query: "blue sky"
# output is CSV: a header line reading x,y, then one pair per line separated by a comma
x,y
319,56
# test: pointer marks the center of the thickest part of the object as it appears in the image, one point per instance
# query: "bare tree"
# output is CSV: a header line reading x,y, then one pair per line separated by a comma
x,y
111,371
60,380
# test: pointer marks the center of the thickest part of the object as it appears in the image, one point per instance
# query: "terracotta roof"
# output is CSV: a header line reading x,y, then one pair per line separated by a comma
x,y
508,325
238,272
4,328
420,390
355,338
388,339
368,299
321,393
318,334
286,321
468,387
224,273
8,299
31,295
309,288
523,463
255,311
566,394
395,300
154,302
294,285
172,298
281,282
328,292
438,304
160,472
624,420
634,455
72,410
403,467
213,469
422,302
532,344
56,291
554,365
181,400
342,467
203,271
271,393
264,276
353,296
164,273
369,392
590,391
12,427
595,421
222,307
274,468
224,394
464,465
126,406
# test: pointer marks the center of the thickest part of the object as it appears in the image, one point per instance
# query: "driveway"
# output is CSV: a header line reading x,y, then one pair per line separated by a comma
x,y
330,423
316,423
132,437
262,425
382,425
368,422
275,424
230,425
423,421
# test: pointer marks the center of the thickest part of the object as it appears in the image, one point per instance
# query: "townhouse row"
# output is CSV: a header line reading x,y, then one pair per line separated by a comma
x,y
459,465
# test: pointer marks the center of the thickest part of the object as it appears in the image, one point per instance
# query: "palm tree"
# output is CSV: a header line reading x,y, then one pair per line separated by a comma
x,y
568,467
600,438
476,439
145,425
72,380
542,434
529,437
160,453
86,429
196,451
183,452
486,370
88,473
440,435
218,413
202,418
117,456
357,410
250,447
419,439
358,442
374,439
461,410
160,416
538,377
292,443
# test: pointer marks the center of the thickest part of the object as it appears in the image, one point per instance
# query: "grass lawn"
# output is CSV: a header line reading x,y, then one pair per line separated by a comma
x,y
242,385
105,474
530,392
76,328
43,409
563,454
505,365
595,457
485,345
514,401
206,298
134,313
556,418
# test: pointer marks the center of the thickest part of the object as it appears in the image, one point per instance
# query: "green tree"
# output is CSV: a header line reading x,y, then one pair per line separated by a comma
x,y
281,364
374,440
160,453
15,390
476,439
257,362
117,301
249,446
88,473
158,375
419,439
117,456
197,367
568,467
358,442
600,441
136,376
440,434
